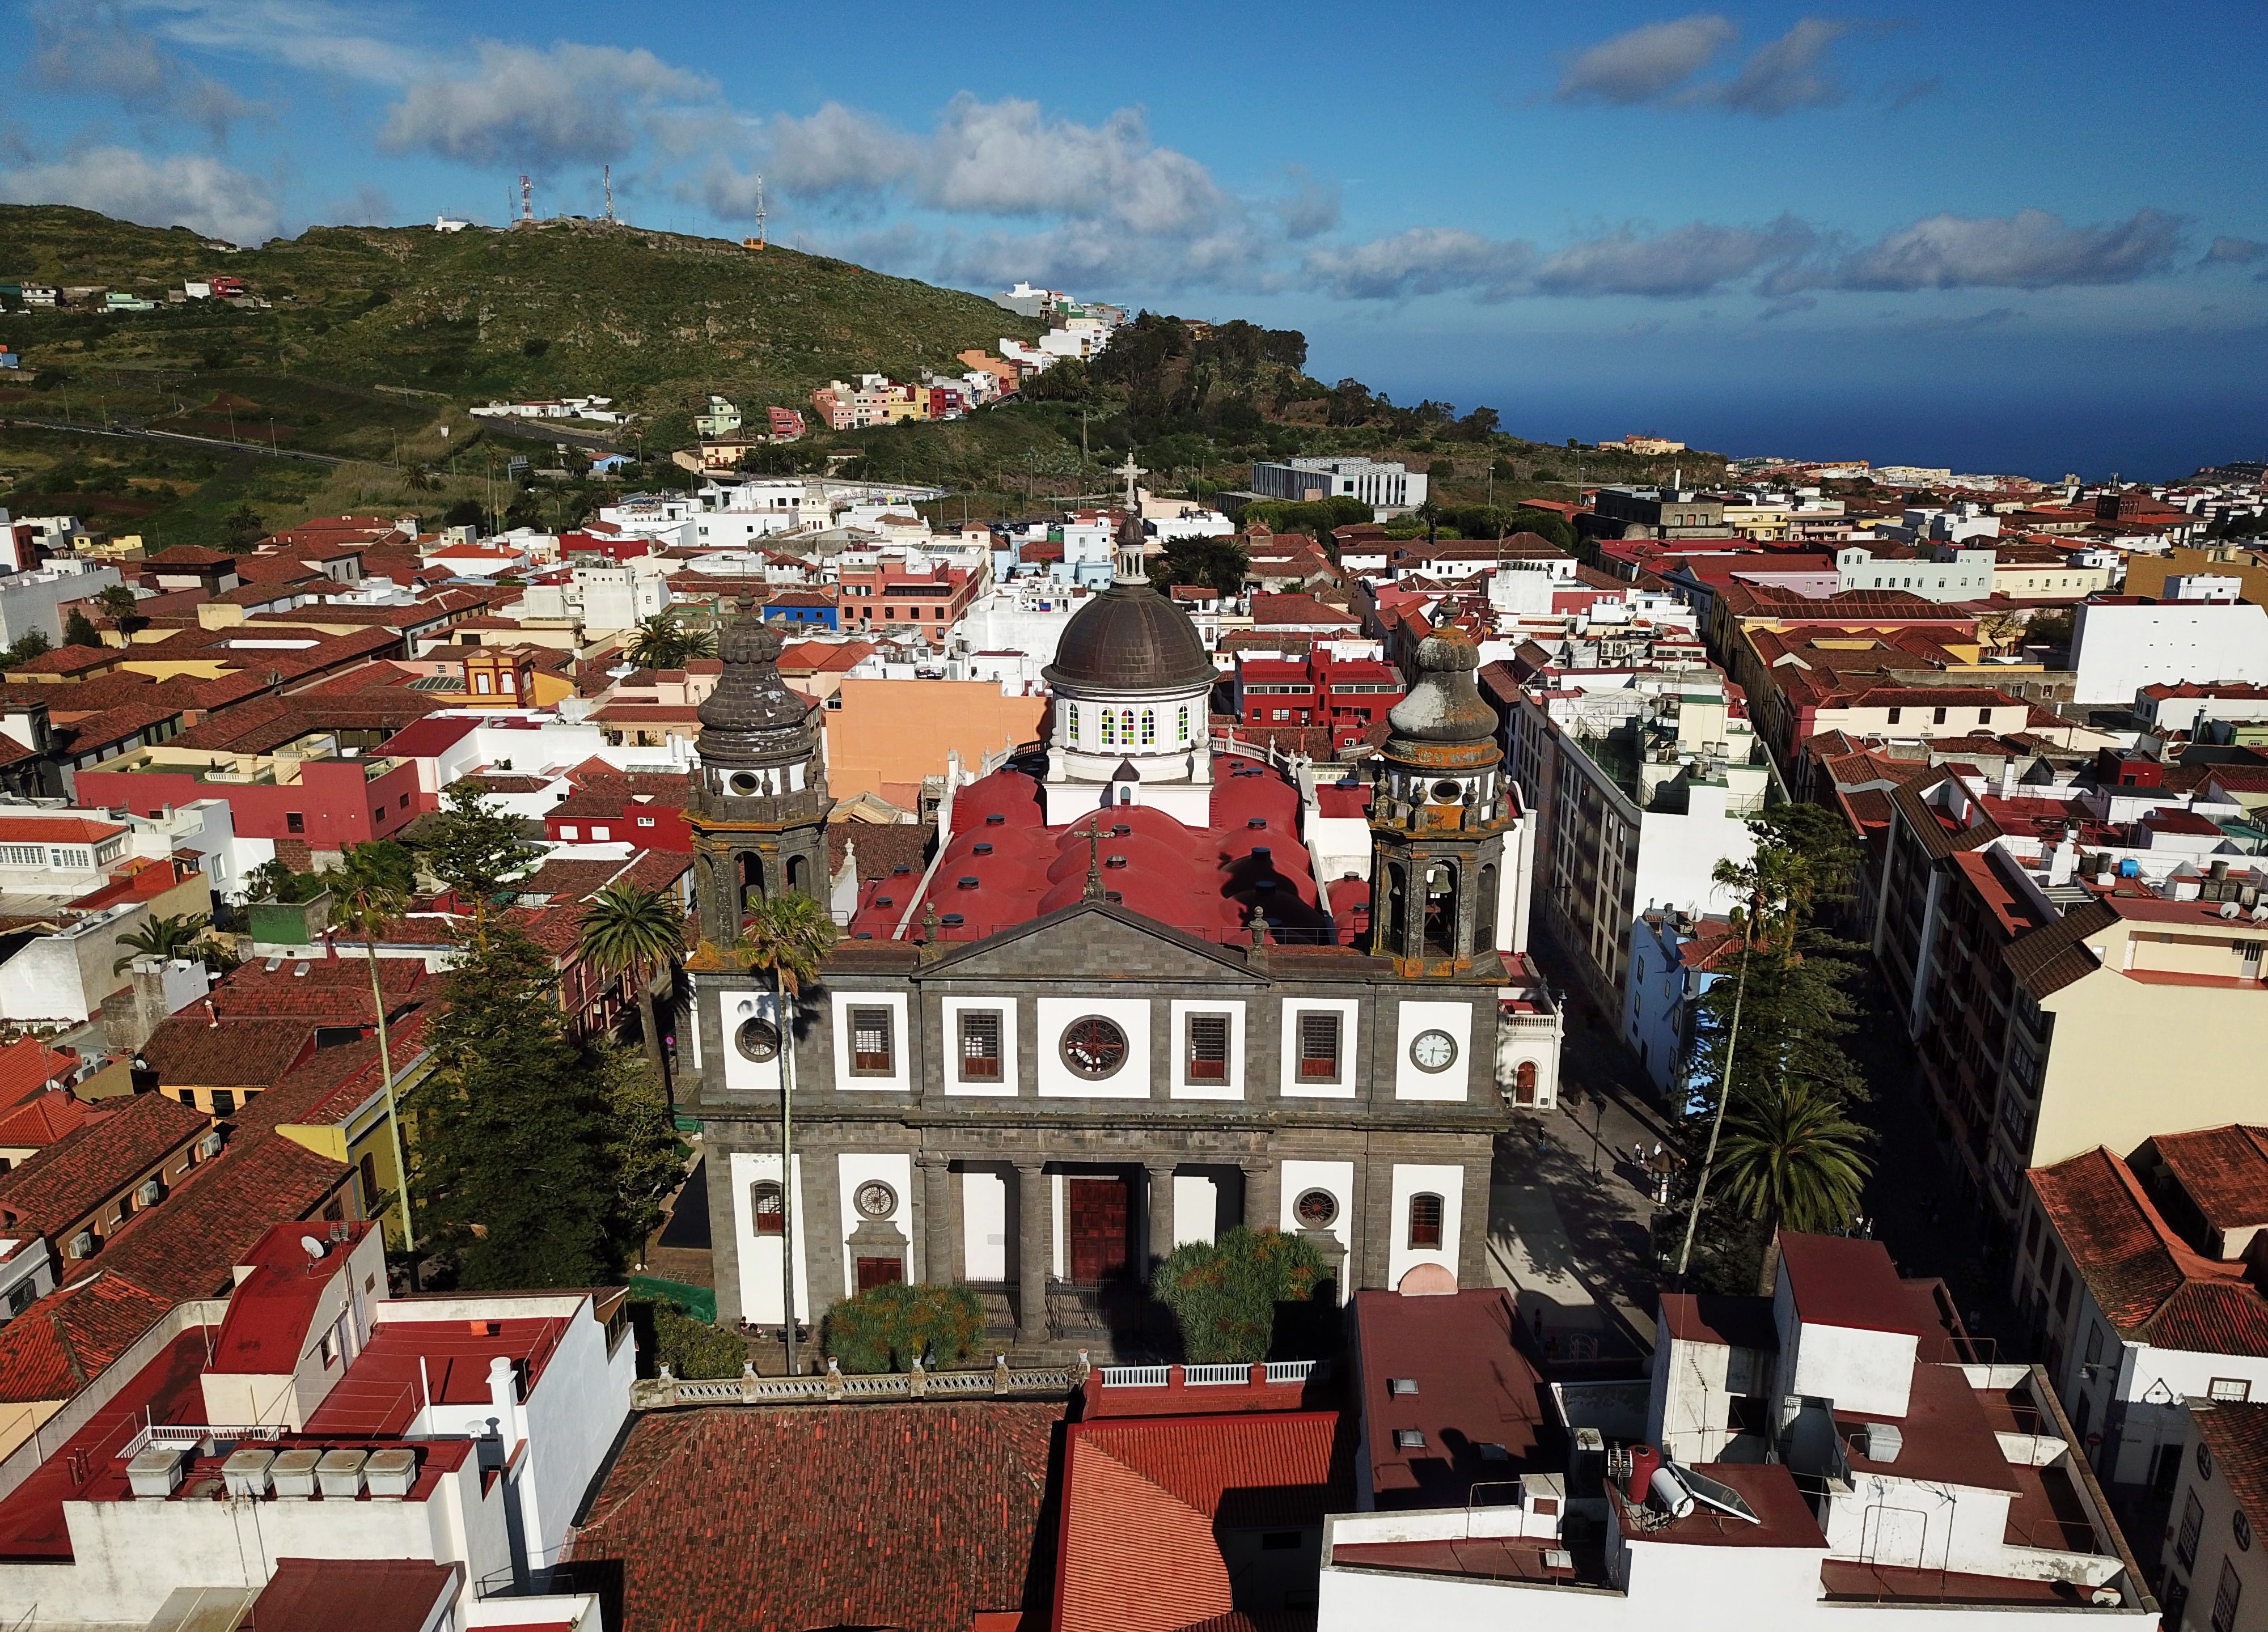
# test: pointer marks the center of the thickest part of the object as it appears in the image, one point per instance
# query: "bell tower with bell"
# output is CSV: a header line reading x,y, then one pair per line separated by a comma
x,y
759,804
1437,819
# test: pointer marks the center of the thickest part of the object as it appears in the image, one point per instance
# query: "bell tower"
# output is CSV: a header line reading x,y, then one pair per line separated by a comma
x,y
1437,819
759,802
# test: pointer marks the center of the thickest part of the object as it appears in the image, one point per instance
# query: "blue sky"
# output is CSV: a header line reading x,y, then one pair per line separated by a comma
x,y
2000,237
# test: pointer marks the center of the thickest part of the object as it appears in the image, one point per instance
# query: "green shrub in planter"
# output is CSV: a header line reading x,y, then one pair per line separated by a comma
x,y
1223,1294
884,1327
692,1349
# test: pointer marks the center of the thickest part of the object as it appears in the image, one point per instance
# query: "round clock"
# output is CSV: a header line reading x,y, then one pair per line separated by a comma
x,y
1434,1051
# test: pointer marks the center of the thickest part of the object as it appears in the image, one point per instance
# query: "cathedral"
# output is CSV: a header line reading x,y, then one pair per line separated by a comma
x,y
1123,1006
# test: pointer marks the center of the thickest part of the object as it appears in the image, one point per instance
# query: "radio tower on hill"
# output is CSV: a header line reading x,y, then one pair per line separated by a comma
x,y
608,172
527,200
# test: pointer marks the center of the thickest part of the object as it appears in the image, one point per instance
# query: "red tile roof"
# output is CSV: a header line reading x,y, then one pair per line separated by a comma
x,y
1473,1381
2238,1435
333,990
2223,1171
1842,1280
187,1051
76,1174
2153,1286
1146,1502
189,1245
27,1066
917,1517
358,1595
56,830
271,1309
64,1341
43,1120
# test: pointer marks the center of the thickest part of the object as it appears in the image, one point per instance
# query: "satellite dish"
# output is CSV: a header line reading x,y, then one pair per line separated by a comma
x,y
313,1248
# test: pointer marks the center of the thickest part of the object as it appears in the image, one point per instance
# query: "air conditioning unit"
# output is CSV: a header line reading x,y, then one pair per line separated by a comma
x,y
151,1193
82,1245
210,1145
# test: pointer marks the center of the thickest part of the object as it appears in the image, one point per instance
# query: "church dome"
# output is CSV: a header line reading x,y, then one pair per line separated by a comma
x,y
1129,638
1445,705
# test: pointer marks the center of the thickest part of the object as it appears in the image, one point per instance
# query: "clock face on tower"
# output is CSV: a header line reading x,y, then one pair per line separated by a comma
x,y
1434,1051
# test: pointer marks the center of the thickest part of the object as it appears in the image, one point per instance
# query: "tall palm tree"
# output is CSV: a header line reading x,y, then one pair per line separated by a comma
x,y
367,894
787,936
629,933
663,642
1794,1158
166,936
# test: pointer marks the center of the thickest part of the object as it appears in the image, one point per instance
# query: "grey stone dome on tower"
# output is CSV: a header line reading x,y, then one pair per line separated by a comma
x,y
752,717
1445,704
1129,638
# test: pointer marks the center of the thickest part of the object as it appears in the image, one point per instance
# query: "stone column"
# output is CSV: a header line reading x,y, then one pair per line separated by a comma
x,y
1158,1175
1262,1205
1473,1221
938,1218
1034,1250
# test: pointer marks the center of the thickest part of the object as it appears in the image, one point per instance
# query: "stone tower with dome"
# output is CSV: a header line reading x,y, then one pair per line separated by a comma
x,y
758,805
1437,819
1133,685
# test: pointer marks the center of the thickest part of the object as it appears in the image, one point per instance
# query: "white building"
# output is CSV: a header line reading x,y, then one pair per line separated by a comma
x,y
29,600
2121,644
312,1416
734,517
1834,1456
1383,484
605,600
2211,1575
1673,960
1965,575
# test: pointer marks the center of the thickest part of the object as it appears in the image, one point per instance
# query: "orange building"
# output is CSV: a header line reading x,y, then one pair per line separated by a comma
x,y
883,736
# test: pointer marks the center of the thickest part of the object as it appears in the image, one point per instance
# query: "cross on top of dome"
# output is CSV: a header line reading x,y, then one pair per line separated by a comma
x,y
1131,540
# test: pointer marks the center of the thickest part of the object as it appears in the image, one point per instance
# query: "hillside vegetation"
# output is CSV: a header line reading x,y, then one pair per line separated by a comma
x,y
374,341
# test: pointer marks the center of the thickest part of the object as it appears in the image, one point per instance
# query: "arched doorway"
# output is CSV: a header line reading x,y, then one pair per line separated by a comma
x,y
795,876
1484,912
752,879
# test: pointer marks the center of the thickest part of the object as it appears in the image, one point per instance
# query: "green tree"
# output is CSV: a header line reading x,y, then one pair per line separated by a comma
x,y
78,631
663,642
1223,1294
368,890
644,1155
512,1177
784,937
1220,563
474,850
627,933
243,529
118,603
33,644
887,1328
1795,1159
692,1349
167,935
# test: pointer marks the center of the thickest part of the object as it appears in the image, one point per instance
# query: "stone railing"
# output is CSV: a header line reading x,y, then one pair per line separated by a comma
x,y
1001,1382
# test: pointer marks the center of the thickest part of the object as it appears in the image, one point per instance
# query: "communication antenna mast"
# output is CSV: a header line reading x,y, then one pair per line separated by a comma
x,y
526,199
760,212
608,172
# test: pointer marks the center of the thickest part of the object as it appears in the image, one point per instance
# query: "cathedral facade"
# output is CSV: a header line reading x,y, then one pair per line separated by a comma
x,y
1120,1008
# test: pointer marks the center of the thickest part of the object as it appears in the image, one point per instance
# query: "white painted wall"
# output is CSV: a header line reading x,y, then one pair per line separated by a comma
x,y
984,1226
1057,1081
897,1172
1196,1207
1416,1178
1295,1086
735,1008
900,1042
1179,1052
1859,1370
2117,650
759,1256
1005,1088
1449,1084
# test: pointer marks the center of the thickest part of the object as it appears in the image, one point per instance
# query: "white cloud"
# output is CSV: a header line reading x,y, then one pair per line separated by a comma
x,y
1788,74
317,36
838,151
2031,249
1685,261
1311,210
1423,260
537,108
184,189
88,45
1645,64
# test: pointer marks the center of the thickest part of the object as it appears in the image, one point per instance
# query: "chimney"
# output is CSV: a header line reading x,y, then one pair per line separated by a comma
x,y
503,1388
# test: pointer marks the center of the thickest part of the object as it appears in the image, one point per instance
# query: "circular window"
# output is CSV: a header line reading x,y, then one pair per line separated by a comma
x,y
2243,1527
874,1200
1095,1048
744,782
1317,1209
1449,792
2204,1459
758,1041
1433,1051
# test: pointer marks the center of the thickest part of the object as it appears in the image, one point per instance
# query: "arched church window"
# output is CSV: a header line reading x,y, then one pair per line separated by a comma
x,y
1126,724
1149,727
1182,715
1109,729
1071,721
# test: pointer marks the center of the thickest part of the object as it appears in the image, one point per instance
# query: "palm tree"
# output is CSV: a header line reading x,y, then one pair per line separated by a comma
x,y
786,935
662,642
165,937
1794,1159
628,932
367,894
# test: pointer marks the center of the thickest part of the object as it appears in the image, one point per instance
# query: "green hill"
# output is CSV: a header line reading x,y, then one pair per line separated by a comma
x,y
655,319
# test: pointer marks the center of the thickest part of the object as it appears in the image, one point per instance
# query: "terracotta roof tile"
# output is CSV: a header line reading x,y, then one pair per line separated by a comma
x,y
64,1341
27,1066
189,1245
74,1175
188,1051
43,1120
916,1516
2238,1435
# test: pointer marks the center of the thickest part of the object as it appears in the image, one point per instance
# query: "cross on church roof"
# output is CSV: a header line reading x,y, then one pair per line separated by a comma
x,y
1130,470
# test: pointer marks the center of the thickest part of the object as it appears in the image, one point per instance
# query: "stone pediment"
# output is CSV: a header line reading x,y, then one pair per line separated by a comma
x,y
1095,941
